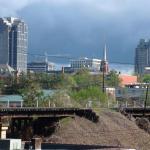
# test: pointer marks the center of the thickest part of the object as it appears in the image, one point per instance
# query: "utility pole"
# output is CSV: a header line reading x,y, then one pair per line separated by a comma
x,y
145,103
103,88
104,67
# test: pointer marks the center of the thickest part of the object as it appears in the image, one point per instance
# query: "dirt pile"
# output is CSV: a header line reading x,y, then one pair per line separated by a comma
x,y
144,124
112,129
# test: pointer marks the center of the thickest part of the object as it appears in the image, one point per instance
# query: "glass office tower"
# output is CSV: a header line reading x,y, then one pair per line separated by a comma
x,y
13,43
142,56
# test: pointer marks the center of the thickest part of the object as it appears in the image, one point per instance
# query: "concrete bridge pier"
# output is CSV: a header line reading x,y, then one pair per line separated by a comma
x,y
3,132
3,129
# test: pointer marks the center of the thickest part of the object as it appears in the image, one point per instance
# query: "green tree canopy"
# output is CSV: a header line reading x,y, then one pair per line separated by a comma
x,y
31,94
146,78
112,79
93,93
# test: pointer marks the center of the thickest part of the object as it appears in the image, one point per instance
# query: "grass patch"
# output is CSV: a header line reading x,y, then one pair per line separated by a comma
x,y
65,121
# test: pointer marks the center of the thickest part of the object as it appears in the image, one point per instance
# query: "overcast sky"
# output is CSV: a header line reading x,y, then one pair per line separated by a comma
x,y
81,27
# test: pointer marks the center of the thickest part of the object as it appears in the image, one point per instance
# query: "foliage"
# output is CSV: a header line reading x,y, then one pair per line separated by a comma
x,y
2,84
146,78
113,79
62,99
82,76
73,89
93,93
54,81
31,94
68,81
65,121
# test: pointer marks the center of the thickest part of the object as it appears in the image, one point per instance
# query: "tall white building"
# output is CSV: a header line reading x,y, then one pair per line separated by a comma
x,y
91,64
142,56
13,43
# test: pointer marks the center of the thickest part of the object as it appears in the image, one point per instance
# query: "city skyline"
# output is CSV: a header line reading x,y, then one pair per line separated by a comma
x,y
82,27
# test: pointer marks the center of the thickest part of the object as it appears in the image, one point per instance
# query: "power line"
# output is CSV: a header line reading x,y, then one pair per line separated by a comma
x,y
118,62
52,55
67,56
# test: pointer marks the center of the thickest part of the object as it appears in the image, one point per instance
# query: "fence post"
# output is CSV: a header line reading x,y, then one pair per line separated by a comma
x,y
108,104
134,104
37,103
126,104
21,104
49,103
8,104
117,104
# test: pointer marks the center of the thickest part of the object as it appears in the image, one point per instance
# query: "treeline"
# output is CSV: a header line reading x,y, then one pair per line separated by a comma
x,y
71,89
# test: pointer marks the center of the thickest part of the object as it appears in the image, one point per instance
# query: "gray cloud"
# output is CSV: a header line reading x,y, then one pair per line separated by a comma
x,y
10,7
79,27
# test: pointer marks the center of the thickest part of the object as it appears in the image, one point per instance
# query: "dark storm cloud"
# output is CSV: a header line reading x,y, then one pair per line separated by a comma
x,y
81,27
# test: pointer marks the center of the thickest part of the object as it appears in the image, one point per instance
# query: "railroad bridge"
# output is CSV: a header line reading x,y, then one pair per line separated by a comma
x,y
136,112
13,119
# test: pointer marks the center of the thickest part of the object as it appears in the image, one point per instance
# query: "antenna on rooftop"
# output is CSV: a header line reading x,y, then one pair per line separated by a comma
x,y
46,58
105,53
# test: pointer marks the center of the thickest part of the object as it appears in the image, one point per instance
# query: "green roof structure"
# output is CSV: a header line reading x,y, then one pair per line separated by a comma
x,y
11,98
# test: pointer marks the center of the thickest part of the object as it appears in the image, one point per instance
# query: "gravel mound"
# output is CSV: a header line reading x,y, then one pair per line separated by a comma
x,y
113,129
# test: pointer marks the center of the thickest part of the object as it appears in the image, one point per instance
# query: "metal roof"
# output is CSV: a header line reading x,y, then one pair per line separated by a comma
x,y
11,98
18,98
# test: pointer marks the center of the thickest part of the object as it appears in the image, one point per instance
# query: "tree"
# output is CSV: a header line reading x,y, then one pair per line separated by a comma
x,y
112,79
92,93
31,94
82,77
146,78
67,81
61,98
1,85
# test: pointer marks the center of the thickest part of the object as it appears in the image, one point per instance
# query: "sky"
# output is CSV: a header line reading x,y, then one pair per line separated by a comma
x,y
80,28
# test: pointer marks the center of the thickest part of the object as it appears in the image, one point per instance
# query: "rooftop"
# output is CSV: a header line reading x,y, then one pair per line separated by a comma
x,y
11,98
127,79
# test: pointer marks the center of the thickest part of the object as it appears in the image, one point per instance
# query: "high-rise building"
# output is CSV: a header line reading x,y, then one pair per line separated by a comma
x,y
13,43
142,56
